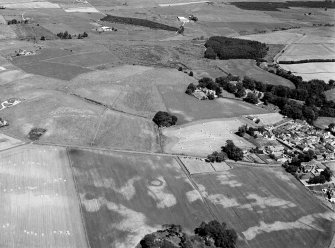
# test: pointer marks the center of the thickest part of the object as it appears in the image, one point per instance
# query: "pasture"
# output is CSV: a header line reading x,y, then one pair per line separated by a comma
x,y
39,203
267,207
278,37
123,131
126,196
323,122
243,67
269,119
188,108
308,71
7,142
68,120
296,52
203,137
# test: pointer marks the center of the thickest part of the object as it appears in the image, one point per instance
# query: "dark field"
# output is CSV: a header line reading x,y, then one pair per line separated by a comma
x,y
138,22
276,6
54,70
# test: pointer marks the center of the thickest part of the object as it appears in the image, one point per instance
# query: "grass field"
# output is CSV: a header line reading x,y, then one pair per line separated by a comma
x,y
277,211
296,52
39,204
279,37
203,137
6,32
131,89
126,196
249,68
188,108
323,122
122,131
68,120
7,142
269,119
308,71
29,31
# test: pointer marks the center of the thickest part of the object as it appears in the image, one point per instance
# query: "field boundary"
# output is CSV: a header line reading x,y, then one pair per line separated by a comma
x,y
78,198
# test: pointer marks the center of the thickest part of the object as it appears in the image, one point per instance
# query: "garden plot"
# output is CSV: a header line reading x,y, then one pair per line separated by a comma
x,y
203,137
126,196
39,204
194,165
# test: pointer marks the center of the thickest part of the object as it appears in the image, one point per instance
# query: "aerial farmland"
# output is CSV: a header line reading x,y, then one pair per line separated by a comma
x,y
119,119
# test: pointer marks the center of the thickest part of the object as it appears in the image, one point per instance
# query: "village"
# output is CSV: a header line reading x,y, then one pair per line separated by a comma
x,y
287,140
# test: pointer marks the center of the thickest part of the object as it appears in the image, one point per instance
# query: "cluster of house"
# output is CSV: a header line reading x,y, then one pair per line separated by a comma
x,y
22,52
9,103
303,137
3,123
204,94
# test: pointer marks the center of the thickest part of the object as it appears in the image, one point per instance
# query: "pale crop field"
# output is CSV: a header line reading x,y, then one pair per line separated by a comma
x,y
8,142
39,205
126,196
203,137
297,52
308,71
278,37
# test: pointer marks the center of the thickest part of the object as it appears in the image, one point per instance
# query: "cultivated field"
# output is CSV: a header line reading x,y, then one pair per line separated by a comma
x,y
126,196
296,52
7,142
122,131
196,165
277,211
269,119
278,37
39,204
203,137
242,68
308,71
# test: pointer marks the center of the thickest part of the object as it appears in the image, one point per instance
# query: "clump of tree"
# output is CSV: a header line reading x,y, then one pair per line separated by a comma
x,y
232,48
324,176
228,151
36,133
244,129
64,36
217,157
207,83
14,21
82,36
251,98
208,235
164,119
